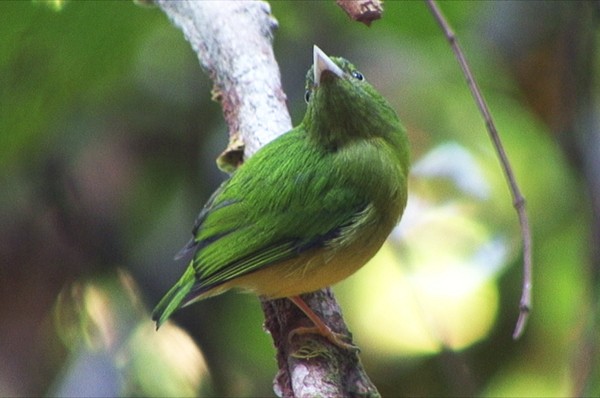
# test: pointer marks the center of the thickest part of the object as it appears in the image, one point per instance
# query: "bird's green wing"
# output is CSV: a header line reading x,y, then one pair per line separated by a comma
x,y
265,215
270,210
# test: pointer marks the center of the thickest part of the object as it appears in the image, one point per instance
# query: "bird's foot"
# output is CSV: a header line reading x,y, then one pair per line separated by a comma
x,y
335,338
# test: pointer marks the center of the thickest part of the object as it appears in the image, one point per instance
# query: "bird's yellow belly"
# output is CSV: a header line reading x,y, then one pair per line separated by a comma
x,y
308,272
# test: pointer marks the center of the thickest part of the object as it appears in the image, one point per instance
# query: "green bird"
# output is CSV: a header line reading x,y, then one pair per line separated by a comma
x,y
309,208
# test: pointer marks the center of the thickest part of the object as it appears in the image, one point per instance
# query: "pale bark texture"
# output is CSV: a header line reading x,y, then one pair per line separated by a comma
x,y
233,41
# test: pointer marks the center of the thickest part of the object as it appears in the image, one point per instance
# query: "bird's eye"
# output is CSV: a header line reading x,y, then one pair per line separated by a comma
x,y
357,75
307,96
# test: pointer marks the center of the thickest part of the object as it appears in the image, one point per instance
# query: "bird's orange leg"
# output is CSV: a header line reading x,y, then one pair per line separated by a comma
x,y
320,327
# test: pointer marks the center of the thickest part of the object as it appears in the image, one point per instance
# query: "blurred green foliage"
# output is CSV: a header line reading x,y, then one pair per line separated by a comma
x,y
107,146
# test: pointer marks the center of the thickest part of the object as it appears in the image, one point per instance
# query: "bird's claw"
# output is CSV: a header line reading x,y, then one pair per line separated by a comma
x,y
334,338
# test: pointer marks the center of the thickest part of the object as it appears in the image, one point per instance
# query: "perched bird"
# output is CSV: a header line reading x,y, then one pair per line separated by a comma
x,y
309,208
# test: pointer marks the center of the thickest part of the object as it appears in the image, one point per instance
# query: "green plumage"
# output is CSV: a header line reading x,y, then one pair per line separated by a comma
x,y
296,212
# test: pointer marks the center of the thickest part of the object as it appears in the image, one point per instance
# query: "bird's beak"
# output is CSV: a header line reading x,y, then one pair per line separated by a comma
x,y
322,63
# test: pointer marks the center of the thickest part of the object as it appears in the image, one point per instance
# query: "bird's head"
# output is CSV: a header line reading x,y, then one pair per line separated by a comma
x,y
342,105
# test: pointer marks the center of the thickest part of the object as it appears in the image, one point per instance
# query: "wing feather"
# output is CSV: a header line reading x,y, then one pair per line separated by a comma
x,y
257,219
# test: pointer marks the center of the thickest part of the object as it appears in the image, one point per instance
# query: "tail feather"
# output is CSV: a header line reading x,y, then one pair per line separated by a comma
x,y
174,299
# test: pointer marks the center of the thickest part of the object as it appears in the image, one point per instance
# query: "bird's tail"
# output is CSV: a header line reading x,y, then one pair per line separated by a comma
x,y
175,298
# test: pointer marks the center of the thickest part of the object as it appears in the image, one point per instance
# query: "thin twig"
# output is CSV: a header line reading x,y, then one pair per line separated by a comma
x,y
518,199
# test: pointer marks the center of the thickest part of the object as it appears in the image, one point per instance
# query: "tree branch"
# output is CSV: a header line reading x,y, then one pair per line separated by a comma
x,y
233,42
